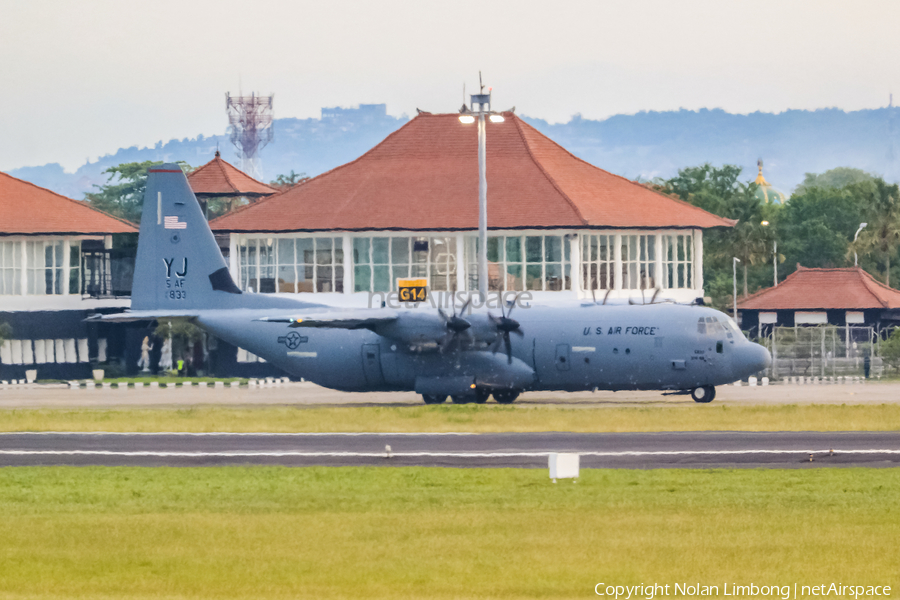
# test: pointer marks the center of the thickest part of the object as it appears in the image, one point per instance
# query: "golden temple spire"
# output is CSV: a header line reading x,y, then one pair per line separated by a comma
x,y
760,180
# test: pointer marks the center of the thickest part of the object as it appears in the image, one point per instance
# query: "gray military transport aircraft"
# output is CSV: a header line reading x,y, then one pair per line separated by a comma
x,y
467,355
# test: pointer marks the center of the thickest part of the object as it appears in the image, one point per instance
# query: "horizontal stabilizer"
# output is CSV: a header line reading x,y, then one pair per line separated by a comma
x,y
143,315
339,319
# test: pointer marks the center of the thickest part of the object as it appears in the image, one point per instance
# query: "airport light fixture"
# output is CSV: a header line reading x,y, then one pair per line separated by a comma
x,y
467,116
856,258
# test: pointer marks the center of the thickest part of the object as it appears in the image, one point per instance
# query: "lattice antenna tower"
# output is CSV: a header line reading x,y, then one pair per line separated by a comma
x,y
250,125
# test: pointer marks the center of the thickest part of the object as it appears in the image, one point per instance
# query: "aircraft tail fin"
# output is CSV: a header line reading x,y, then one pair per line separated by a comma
x,y
179,268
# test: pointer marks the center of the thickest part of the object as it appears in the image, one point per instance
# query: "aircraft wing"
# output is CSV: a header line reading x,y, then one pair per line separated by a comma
x,y
338,319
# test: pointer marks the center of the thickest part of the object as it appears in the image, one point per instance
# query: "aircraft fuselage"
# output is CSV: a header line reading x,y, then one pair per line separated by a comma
x,y
569,348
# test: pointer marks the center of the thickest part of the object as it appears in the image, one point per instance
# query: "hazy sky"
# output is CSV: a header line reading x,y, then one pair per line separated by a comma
x,y
79,79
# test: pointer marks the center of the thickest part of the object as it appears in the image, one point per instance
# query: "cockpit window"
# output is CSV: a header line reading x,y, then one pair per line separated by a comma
x,y
712,326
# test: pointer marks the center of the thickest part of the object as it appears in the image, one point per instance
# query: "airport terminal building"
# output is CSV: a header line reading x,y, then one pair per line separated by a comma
x,y
58,266
558,226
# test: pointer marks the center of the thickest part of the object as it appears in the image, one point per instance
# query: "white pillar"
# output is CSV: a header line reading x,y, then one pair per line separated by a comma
x,y
66,270
24,263
617,264
461,266
234,259
347,242
660,276
575,261
698,260
107,242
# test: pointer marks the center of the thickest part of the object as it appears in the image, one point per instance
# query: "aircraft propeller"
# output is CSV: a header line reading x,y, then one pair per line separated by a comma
x,y
605,297
506,325
644,300
455,324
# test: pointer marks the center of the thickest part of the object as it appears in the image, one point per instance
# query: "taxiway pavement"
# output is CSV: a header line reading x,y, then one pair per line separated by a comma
x,y
528,450
308,395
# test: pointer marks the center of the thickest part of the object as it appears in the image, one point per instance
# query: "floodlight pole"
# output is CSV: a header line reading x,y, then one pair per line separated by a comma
x,y
468,115
734,267
775,260
482,209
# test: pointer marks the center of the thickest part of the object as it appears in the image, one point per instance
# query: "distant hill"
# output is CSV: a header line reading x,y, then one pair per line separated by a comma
x,y
645,145
792,143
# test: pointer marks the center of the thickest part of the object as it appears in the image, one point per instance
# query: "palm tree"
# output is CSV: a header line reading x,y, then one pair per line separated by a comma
x,y
750,240
882,235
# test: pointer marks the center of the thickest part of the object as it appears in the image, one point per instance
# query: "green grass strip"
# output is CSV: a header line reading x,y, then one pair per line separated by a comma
x,y
472,418
436,533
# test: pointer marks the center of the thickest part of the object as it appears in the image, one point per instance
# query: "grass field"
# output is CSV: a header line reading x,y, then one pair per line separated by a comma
x,y
436,533
825,417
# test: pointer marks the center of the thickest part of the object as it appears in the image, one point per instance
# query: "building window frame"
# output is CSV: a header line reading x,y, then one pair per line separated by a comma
x,y
264,261
40,266
380,260
527,260
639,260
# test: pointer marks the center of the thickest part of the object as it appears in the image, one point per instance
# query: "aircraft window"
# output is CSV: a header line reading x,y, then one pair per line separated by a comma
x,y
701,326
730,324
627,350
615,350
710,320
719,347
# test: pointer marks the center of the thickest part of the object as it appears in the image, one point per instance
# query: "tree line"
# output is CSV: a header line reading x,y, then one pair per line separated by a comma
x,y
815,228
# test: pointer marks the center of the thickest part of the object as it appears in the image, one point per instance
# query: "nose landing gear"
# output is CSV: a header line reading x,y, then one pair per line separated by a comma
x,y
703,394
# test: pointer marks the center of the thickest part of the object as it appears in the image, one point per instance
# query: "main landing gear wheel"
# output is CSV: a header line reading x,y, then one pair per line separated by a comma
x,y
703,394
462,399
506,396
433,399
481,396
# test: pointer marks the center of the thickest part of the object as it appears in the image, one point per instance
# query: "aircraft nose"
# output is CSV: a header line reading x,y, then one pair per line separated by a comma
x,y
754,358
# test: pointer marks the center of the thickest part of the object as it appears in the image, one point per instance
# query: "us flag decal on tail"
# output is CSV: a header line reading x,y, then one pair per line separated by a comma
x,y
174,223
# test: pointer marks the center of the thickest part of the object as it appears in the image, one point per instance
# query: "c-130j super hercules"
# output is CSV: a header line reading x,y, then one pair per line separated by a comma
x,y
180,273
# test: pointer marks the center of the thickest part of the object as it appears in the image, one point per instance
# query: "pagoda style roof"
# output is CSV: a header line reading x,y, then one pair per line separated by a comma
x,y
424,177
823,289
27,209
219,178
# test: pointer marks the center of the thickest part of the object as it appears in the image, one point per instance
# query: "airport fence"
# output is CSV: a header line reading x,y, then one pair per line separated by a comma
x,y
824,351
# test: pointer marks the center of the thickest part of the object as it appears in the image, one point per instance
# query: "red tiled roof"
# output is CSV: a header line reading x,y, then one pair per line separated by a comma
x,y
219,178
424,176
822,289
27,209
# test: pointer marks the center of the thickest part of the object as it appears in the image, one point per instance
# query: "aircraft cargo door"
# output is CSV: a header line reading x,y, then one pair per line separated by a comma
x,y
371,357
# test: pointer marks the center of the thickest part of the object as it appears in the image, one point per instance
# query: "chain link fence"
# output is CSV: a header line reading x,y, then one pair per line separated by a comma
x,y
825,351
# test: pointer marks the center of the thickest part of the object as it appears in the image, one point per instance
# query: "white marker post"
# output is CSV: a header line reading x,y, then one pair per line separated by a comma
x,y
564,465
